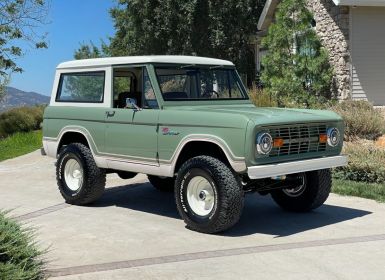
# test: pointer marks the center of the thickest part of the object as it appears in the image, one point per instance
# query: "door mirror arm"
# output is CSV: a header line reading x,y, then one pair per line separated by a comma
x,y
131,103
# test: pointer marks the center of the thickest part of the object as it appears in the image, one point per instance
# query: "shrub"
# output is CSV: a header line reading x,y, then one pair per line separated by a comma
x,y
21,119
261,98
2,132
362,120
300,76
19,256
16,120
366,162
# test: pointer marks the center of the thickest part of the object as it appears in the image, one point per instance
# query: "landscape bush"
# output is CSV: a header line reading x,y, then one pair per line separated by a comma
x,y
22,119
366,162
20,258
261,98
361,119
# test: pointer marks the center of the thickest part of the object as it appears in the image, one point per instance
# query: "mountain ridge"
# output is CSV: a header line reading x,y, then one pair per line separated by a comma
x,y
17,98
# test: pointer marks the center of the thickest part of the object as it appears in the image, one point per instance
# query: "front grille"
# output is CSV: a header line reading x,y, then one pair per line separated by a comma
x,y
298,139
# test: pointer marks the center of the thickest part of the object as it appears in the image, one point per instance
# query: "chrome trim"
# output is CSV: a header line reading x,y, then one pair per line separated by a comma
x,y
329,132
264,138
279,169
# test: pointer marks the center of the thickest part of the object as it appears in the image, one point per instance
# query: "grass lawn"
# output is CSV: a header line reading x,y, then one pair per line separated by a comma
x,y
361,189
19,144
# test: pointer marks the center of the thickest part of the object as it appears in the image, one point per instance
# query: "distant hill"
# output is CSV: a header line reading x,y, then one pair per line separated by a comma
x,y
16,98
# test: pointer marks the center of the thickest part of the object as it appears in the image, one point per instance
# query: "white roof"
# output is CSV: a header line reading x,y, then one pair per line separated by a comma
x,y
178,59
377,3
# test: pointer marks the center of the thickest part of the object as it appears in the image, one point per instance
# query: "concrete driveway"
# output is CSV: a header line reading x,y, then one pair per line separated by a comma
x,y
134,232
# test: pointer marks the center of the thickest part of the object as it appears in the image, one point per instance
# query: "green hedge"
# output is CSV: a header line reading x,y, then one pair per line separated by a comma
x,y
19,256
366,163
21,119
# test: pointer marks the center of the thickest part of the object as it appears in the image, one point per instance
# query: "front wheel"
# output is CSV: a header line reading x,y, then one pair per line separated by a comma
x,y
209,196
309,194
80,181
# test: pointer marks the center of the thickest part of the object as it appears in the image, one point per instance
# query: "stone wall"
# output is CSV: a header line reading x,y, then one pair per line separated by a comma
x,y
332,26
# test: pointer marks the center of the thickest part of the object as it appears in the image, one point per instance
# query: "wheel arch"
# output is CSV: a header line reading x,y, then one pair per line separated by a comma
x,y
69,137
206,146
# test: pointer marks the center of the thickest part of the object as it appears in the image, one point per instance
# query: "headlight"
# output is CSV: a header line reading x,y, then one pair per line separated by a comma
x,y
334,136
264,143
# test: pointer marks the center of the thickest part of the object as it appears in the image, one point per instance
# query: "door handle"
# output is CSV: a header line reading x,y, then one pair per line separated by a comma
x,y
110,113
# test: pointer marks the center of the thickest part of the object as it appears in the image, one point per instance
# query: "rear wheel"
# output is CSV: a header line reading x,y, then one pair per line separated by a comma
x,y
209,196
163,184
309,194
80,181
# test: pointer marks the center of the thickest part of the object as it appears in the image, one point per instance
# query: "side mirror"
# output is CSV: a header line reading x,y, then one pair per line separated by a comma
x,y
131,103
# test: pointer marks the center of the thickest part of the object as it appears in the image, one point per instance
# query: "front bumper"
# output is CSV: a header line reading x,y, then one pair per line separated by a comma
x,y
279,169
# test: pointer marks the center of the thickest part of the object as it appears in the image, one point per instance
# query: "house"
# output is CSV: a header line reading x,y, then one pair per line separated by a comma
x,y
353,32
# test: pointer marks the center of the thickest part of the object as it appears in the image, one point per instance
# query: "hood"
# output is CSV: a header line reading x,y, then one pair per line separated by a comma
x,y
263,116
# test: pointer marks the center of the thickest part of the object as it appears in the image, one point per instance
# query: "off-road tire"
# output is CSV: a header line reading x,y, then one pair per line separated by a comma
x,y
94,178
229,196
318,186
163,184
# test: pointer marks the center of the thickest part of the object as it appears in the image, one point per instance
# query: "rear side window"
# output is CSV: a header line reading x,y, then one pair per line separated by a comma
x,y
81,87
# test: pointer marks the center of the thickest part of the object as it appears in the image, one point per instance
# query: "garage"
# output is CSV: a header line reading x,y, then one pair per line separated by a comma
x,y
368,53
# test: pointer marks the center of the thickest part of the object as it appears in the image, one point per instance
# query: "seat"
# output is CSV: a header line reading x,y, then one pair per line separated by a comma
x,y
137,96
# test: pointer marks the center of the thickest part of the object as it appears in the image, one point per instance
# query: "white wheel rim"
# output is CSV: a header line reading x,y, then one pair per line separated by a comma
x,y
73,174
297,191
200,196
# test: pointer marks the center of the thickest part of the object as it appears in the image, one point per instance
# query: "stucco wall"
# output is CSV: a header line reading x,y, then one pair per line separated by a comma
x,y
333,29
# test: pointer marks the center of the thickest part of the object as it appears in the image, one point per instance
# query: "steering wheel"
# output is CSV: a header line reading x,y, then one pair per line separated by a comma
x,y
211,94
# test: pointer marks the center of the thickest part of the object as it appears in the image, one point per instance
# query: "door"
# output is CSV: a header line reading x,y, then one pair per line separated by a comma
x,y
131,133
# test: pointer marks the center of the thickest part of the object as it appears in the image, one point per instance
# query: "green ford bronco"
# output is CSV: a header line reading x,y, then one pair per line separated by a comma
x,y
187,123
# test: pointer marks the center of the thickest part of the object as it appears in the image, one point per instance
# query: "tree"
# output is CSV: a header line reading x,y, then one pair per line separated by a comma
x,y
92,51
213,28
19,24
296,69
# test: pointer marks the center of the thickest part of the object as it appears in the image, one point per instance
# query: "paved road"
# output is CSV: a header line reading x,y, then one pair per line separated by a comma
x,y
134,232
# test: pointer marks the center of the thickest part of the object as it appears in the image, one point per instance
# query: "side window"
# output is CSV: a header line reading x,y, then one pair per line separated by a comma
x,y
81,87
121,84
125,85
148,90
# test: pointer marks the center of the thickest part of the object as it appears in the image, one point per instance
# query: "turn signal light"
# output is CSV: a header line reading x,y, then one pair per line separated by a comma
x,y
278,143
323,138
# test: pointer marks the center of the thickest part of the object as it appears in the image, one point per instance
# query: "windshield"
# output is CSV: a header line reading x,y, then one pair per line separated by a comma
x,y
192,83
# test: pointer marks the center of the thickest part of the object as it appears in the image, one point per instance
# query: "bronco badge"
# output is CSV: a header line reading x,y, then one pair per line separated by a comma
x,y
167,131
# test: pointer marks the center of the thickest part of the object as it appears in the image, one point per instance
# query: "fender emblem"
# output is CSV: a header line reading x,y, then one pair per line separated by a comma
x,y
167,131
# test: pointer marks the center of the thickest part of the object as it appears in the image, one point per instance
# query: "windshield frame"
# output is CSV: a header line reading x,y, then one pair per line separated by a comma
x,y
236,77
